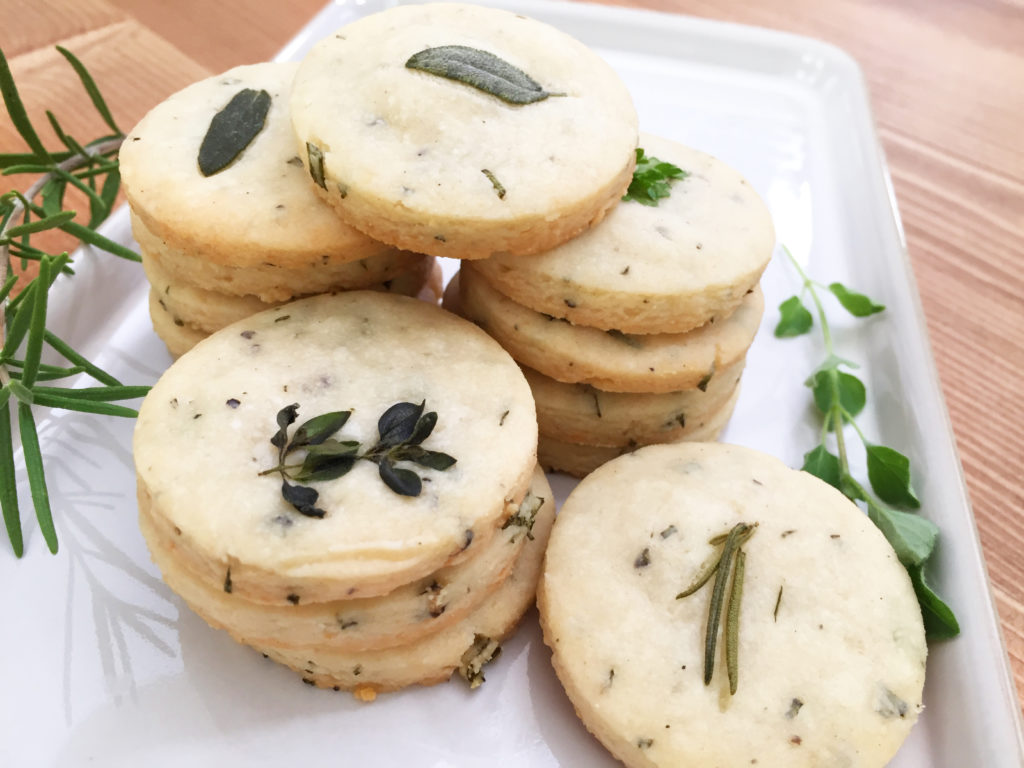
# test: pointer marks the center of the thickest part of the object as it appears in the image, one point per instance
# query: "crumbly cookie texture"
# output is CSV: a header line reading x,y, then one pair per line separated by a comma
x,y
612,361
581,458
652,269
203,438
437,166
258,210
831,647
403,616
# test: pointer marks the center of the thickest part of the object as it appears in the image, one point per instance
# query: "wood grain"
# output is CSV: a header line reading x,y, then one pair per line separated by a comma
x,y
945,78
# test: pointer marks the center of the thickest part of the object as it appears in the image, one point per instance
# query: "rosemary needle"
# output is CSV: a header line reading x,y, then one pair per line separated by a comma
x,y
718,599
732,621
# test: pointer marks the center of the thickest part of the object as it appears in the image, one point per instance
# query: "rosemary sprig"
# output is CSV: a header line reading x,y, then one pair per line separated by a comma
x,y
728,566
92,170
840,396
401,430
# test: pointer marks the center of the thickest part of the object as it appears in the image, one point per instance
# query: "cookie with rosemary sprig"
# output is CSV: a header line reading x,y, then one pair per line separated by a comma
x,y
707,605
462,131
610,360
687,243
212,172
335,447
404,615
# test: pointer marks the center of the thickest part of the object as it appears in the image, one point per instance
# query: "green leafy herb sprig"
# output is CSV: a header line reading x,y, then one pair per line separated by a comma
x,y
651,179
840,396
401,430
728,566
92,169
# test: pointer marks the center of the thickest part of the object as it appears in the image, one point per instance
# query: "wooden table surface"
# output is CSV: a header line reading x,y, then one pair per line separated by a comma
x,y
947,87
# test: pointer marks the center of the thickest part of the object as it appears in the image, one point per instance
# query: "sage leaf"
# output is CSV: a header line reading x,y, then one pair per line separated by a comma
x,y
302,498
318,429
823,465
424,427
852,394
481,70
398,423
404,482
939,621
794,319
857,304
889,474
911,536
232,130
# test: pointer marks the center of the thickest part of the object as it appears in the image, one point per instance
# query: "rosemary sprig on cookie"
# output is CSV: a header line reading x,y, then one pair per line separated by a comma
x,y
91,170
401,429
840,396
728,566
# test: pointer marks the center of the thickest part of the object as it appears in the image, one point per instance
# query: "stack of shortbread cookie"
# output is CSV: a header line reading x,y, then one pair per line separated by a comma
x,y
635,332
329,503
229,227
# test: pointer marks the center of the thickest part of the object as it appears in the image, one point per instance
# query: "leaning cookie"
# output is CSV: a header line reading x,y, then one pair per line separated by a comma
x,y
532,144
215,448
612,361
818,658
212,171
466,646
652,269
404,615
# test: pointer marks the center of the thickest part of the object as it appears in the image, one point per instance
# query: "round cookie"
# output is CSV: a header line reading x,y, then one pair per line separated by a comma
x,y
580,459
402,616
211,310
465,646
270,282
831,647
652,269
431,164
258,209
174,332
614,362
580,413
202,447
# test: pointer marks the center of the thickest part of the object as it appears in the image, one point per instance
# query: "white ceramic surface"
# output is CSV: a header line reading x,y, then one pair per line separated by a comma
x,y
100,665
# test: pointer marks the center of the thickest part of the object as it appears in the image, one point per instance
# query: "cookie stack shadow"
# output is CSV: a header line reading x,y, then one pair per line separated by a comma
x,y
635,332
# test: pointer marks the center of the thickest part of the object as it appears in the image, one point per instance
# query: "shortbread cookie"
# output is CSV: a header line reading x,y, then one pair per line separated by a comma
x,y
203,447
652,269
270,282
612,361
580,413
580,459
831,649
402,616
212,310
174,332
431,164
259,209
465,646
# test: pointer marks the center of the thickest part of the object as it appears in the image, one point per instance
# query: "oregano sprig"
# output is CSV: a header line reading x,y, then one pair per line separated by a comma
x,y
401,430
840,396
92,170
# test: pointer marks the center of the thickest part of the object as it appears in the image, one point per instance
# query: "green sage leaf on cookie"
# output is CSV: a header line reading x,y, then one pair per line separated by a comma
x,y
233,129
481,70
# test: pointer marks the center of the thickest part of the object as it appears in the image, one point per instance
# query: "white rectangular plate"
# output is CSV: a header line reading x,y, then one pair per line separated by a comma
x,y
101,665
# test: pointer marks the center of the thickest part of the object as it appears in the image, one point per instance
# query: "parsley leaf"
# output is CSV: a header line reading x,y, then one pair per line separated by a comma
x,y
651,179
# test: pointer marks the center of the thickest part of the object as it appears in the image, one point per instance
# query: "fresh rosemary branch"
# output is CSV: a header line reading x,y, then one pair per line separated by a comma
x,y
840,397
92,170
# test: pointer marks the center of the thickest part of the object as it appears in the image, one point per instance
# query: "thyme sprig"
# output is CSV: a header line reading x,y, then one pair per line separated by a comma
x,y
401,430
92,170
840,396
728,566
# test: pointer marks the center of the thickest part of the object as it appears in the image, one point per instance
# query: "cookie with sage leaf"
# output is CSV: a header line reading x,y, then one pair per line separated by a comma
x,y
458,130
707,605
